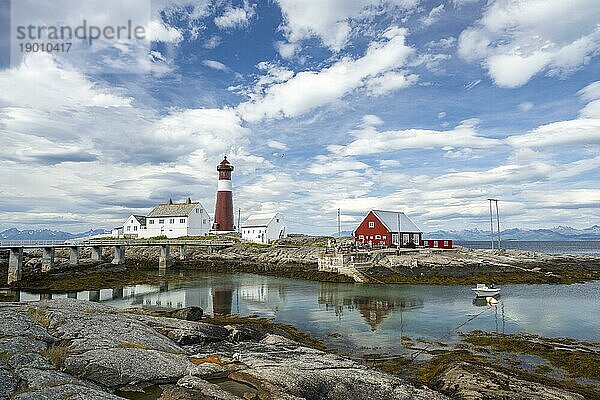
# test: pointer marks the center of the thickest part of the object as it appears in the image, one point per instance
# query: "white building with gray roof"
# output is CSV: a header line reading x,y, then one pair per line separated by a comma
x,y
175,220
263,228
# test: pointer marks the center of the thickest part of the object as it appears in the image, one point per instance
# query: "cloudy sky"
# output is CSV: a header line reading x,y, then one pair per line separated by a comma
x,y
426,107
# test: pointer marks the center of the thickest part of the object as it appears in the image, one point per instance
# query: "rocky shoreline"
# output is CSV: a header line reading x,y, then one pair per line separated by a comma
x,y
73,349
299,260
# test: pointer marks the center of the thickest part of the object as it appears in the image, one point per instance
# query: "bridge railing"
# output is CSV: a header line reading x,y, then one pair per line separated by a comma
x,y
31,243
116,242
138,242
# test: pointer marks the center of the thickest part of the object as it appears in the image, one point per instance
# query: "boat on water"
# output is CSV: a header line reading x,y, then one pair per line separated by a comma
x,y
482,290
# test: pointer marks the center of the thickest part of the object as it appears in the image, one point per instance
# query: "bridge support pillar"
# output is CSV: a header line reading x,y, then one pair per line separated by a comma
x,y
74,255
97,253
119,257
182,251
15,265
164,259
47,259
94,295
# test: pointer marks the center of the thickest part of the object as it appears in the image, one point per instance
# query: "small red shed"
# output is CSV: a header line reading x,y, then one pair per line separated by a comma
x,y
381,228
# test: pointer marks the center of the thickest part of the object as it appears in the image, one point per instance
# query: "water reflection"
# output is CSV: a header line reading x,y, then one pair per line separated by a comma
x,y
365,318
374,306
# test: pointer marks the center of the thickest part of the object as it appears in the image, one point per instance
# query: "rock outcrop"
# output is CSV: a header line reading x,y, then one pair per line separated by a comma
x,y
79,350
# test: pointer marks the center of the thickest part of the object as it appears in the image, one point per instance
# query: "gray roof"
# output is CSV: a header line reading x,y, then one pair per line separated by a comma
x,y
390,220
258,220
141,219
173,210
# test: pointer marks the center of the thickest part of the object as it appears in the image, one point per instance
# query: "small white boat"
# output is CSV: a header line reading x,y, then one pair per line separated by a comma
x,y
483,290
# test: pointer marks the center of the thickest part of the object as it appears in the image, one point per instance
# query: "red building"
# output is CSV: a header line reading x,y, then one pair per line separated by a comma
x,y
381,228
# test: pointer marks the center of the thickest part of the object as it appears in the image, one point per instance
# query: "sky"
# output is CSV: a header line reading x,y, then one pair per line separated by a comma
x,y
427,107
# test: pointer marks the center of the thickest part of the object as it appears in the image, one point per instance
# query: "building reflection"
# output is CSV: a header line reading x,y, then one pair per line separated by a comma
x,y
373,303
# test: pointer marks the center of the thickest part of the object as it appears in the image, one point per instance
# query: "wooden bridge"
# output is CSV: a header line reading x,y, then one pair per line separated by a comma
x,y
16,248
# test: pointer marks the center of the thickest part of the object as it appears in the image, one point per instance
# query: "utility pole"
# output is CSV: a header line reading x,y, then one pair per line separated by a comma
x,y
339,218
491,224
239,218
498,220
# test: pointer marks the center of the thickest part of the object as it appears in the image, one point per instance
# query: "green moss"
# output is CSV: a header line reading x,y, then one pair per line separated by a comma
x,y
578,364
4,356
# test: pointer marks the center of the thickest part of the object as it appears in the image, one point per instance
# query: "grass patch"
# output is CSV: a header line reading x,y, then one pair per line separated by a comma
x,y
57,354
4,356
40,315
134,345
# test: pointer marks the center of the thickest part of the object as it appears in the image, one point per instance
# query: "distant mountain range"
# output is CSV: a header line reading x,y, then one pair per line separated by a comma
x,y
558,233
46,234
554,234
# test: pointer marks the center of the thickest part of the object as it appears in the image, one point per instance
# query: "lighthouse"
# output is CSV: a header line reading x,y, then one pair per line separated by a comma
x,y
224,207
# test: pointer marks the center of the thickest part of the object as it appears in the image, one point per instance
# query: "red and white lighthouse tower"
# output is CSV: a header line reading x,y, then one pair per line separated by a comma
x,y
224,207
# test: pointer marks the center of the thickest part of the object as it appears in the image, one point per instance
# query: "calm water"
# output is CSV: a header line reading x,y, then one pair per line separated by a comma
x,y
550,247
370,318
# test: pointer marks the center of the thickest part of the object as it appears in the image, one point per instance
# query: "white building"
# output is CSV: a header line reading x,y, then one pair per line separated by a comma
x,y
262,228
177,219
133,227
117,232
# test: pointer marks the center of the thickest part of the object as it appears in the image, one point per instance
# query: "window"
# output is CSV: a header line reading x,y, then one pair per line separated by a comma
x,y
361,237
151,222
161,221
196,211
277,220
182,221
172,221
377,236
384,237
371,224
135,228
204,221
128,228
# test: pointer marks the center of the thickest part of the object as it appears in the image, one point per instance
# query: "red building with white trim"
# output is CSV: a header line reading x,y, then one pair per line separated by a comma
x,y
381,228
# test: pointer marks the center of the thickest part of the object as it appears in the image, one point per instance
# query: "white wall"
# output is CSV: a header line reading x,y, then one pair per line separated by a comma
x,y
132,227
264,234
195,224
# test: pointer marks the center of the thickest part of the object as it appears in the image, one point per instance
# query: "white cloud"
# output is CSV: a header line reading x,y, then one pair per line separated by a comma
x,y
517,39
441,115
578,131
236,17
390,82
433,16
287,50
311,89
370,141
525,106
212,42
274,144
219,66
157,31
330,21
584,130
442,44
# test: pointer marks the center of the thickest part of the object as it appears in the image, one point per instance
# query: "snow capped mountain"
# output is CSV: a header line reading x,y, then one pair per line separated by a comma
x,y
46,234
557,233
